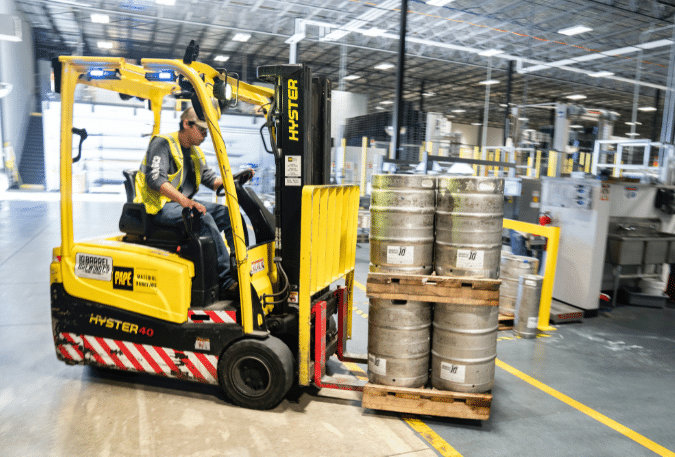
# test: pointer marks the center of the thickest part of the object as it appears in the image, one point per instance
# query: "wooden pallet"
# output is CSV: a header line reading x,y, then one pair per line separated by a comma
x,y
430,402
439,289
506,322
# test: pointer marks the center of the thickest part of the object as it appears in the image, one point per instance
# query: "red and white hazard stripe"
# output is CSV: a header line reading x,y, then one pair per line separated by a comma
x,y
215,317
69,347
128,356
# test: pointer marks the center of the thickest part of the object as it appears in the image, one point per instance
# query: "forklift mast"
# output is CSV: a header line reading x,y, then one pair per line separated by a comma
x,y
303,151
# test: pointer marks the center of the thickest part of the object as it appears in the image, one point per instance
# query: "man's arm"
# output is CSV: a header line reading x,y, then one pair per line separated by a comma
x,y
171,192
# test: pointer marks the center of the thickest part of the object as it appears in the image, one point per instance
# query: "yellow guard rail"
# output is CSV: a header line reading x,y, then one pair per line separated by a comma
x,y
553,235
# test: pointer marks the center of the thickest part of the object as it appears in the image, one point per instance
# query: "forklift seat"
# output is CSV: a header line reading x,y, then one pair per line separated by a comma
x,y
135,221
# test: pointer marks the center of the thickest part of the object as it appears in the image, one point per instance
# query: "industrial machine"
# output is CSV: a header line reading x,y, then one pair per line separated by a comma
x,y
147,300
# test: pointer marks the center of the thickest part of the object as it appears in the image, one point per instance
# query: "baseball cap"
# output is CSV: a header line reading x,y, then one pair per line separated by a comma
x,y
190,115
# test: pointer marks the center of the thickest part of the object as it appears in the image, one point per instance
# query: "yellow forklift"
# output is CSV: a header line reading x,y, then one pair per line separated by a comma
x,y
147,299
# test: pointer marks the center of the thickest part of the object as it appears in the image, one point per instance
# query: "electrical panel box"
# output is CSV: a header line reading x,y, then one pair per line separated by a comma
x,y
570,195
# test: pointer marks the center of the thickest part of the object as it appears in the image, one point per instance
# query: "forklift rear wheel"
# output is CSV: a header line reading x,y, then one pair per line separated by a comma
x,y
256,374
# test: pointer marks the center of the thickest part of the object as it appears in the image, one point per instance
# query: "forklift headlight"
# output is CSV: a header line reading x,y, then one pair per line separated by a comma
x,y
163,75
100,73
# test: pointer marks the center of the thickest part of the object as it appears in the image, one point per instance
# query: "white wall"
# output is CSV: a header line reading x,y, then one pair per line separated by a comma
x,y
17,67
471,135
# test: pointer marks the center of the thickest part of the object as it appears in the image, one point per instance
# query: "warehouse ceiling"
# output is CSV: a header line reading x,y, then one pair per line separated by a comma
x,y
629,41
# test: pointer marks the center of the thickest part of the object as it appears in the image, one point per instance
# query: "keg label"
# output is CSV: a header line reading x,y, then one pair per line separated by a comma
x,y
400,255
532,322
377,365
468,258
453,373
92,266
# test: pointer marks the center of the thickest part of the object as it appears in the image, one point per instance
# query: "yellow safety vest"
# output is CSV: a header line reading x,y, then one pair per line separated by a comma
x,y
153,200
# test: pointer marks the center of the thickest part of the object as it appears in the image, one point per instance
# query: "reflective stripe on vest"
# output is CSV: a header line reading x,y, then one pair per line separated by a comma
x,y
153,200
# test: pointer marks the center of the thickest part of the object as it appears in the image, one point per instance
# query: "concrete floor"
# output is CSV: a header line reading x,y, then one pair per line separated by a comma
x,y
605,387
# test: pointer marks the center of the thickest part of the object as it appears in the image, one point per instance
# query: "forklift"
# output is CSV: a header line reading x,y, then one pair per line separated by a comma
x,y
147,299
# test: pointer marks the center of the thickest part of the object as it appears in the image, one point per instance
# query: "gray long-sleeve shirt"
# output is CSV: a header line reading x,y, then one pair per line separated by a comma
x,y
162,165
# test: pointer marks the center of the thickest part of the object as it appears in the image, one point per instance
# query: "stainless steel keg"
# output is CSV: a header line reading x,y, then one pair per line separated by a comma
x,y
527,306
464,347
469,220
399,342
512,267
402,223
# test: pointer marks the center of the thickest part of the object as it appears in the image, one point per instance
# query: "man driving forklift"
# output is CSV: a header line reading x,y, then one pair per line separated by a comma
x,y
170,175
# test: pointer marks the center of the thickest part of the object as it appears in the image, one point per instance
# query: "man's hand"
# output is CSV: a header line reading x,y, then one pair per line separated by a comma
x,y
168,190
193,204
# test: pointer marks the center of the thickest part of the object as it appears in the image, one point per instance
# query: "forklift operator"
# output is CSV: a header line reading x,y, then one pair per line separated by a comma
x,y
170,174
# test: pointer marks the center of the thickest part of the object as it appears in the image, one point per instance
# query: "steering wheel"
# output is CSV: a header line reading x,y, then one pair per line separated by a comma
x,y
242,178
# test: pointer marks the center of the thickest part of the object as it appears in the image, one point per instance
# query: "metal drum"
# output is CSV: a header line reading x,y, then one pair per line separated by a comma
x,y
402,224
469,218
527,306
512,267
399,342
464,347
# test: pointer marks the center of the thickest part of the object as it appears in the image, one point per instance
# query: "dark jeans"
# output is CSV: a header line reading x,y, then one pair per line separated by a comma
x,y
216,219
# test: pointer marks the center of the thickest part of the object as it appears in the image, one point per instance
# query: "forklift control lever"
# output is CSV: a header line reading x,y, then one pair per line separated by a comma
x,y
192,220
83,136
242,177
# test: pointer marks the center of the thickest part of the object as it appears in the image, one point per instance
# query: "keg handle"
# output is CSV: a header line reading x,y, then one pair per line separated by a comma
x,y
399,302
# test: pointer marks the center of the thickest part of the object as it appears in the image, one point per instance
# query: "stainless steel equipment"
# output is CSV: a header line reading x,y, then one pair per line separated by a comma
x,y
464,347
469,217
399,342
402,223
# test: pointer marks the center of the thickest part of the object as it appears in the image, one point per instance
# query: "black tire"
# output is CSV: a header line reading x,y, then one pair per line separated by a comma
x,y
256,374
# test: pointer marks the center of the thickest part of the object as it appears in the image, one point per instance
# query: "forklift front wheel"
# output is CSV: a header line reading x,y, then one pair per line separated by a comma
x,y
256,374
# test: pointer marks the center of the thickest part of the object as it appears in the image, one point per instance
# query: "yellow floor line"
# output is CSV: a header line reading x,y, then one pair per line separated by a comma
x,y
646,442
432,437
360,286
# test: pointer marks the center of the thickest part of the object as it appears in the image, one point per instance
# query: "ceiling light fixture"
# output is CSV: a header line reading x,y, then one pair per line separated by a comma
x,y
438,2
632,134
576,97
100,18
387,102
374,32
600,74
166,2
489,82
655,44
241,37
351,77
429,94
490,52
221,58
384,66
476,123
646,108
458,111
576,126
523,119
630,123
104,44
577,29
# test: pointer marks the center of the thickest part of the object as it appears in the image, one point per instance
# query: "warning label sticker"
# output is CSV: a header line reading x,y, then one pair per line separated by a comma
x,y
293,166
293,182
400,255
532,322
453,373
377,365
468,258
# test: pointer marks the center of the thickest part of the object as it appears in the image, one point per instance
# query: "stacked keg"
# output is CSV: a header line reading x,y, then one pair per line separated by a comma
x,y
402,224
469,219
512,267
468,215
401,241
